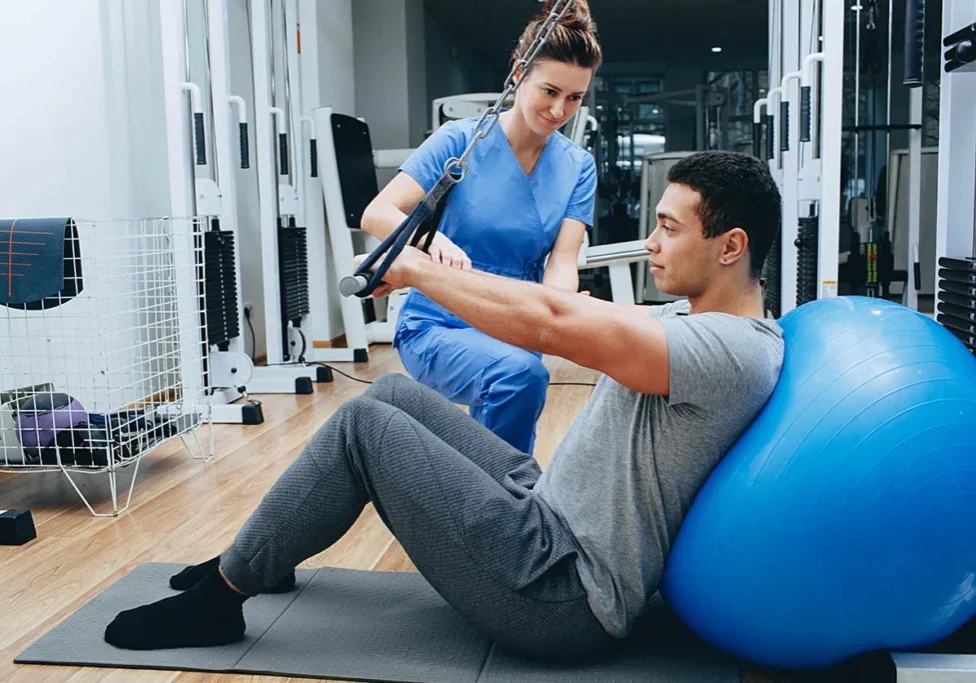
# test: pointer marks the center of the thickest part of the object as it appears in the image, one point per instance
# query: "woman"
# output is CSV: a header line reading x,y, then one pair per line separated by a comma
x,y
520,212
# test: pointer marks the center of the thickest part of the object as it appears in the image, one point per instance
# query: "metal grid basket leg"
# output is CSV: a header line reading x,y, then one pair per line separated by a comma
x,y
101,372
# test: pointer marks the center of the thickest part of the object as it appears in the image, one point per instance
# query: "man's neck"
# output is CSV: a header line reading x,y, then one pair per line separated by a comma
x,y
744,301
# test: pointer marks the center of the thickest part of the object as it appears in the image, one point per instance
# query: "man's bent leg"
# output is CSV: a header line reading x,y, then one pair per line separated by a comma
x,y
445,420
449,423
492,549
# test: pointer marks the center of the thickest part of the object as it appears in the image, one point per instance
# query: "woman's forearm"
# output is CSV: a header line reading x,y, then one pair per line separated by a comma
x,y
381,218
563,276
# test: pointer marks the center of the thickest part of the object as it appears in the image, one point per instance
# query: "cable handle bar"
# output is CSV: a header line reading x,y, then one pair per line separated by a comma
x,y
414,227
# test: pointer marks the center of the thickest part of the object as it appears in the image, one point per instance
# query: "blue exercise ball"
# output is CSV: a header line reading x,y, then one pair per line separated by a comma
x,y
844,518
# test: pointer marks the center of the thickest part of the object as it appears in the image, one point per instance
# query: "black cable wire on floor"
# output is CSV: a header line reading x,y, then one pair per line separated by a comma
x,y
357,379
335,369
301,360
254,339
366,381
301,356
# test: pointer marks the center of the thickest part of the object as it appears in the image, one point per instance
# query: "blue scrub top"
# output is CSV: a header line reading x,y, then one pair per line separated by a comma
x,y
504,220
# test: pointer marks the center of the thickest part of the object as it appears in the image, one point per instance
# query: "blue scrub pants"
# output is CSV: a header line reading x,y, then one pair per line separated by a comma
x,y
503,386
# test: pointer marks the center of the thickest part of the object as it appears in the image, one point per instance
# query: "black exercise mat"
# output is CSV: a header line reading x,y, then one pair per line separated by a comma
x,y
367,626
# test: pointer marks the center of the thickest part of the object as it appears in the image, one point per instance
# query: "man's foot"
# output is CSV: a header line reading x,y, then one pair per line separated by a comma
x,y
190,576
208,614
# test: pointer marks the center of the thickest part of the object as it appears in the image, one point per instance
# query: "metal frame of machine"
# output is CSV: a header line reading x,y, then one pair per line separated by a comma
x,y
232,374
803,143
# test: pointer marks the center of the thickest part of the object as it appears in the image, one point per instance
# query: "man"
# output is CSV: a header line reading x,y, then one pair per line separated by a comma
x,y
556,563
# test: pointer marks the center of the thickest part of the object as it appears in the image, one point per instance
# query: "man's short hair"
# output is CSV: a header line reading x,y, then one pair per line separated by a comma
x,y
737,191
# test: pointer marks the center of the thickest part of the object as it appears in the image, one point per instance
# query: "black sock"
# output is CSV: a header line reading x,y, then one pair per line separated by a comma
x,y
209,614
190,576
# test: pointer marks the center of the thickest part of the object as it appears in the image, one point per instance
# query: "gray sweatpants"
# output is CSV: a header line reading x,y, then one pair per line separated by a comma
x,y
459,500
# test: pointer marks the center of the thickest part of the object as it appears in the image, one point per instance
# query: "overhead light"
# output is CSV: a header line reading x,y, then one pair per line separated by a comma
x,y
857,7
716,49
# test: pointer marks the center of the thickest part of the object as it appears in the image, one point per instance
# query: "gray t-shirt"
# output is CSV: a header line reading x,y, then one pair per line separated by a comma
x,y
626,473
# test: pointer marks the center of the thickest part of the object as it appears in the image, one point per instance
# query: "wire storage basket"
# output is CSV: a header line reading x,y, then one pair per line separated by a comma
x,y
103,353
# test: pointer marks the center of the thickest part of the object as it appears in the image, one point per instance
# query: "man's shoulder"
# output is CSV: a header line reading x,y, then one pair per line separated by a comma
x,y
671,309
731,324
741,332
720,353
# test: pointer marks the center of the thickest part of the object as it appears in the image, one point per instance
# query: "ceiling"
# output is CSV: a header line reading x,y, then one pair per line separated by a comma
x,y
630,30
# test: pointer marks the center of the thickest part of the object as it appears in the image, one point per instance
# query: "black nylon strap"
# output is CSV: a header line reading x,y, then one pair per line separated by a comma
x,y
421,222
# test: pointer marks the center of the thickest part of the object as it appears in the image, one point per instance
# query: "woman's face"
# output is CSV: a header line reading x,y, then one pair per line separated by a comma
x,y
551,94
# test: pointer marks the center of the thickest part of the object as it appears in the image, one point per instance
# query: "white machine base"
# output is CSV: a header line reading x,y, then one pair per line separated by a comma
x,y
285,379
228,408
238,414
913,667
339,355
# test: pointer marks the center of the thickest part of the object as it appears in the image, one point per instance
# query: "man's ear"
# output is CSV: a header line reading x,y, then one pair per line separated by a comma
x,y
736,246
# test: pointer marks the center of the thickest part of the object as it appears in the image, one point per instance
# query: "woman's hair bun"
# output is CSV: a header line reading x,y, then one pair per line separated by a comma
x,y
577,16
574,40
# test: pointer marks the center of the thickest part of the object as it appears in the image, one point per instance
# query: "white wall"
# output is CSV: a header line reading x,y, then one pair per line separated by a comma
x,y
390,70
335,54
451,68
332,69
417,97
65,130
380,63
82,136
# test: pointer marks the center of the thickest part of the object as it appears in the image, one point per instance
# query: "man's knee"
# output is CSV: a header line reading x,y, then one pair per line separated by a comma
x,y
391,385
357,412
362,421
394,380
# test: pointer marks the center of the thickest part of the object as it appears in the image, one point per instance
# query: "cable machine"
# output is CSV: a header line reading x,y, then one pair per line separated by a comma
x,y
800,136
202,183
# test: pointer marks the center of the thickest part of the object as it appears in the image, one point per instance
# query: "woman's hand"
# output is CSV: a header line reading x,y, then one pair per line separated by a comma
x,y
394,277
443,250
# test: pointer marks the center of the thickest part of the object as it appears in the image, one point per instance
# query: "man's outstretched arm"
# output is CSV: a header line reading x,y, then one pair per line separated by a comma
x,y
596,334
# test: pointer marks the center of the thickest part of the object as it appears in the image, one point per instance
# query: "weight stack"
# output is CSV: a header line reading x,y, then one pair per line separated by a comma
x,y
807,243
223,322
774,277
957,298
293,272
